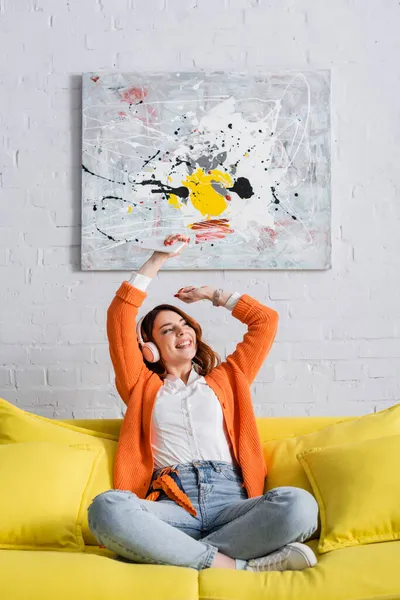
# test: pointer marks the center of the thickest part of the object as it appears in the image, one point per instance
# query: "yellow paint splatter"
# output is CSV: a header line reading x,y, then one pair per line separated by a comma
x,y
174,201
203,196
130,209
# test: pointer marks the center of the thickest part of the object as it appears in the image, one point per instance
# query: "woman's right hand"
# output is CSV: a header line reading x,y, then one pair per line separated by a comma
x,y
151,267
171,239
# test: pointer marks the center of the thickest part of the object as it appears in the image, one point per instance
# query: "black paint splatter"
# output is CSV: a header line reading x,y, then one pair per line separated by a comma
x,y
151,158
277,201
101,177
182,191
242,187
110,237
126,201
180,161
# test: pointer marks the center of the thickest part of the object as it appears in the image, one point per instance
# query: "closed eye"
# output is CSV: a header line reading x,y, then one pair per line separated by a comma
x,y
185,324
169,329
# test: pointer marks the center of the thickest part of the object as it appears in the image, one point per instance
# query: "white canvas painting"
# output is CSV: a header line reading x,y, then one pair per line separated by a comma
x,y
239,162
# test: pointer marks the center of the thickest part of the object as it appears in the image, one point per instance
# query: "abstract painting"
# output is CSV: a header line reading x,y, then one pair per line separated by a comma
x,y
239,162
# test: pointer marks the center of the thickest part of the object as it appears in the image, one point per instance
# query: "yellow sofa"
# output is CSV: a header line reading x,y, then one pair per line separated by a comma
x,y
355,573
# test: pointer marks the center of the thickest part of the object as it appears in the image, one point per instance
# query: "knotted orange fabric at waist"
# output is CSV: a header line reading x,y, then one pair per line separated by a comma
x,y
169,482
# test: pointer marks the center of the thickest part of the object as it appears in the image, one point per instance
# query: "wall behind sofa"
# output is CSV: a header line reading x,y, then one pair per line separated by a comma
x,y
338,347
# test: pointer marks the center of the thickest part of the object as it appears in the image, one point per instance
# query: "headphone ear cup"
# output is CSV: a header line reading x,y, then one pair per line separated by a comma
x,y
150,352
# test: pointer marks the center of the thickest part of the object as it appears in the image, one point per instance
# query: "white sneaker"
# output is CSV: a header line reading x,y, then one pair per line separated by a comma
x,y
293,557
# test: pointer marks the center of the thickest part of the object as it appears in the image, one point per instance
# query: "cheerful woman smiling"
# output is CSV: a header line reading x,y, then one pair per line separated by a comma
x,y
189,473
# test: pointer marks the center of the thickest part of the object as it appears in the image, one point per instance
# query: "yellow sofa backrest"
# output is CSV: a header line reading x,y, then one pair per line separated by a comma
x,y
276,428
270,428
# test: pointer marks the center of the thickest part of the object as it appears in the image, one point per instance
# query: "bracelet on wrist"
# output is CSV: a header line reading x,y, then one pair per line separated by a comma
x,y
216,297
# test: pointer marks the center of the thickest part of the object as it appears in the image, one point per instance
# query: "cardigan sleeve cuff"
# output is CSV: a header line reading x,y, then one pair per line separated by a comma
x,y
244,305
131,294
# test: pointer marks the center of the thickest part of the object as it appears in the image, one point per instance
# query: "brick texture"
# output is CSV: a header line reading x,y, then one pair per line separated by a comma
x,y
338,345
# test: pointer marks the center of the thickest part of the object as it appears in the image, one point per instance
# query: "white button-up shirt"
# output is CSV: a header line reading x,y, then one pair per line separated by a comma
x,y
187,422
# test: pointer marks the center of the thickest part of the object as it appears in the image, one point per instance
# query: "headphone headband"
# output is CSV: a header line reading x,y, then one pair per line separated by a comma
x,y
139,331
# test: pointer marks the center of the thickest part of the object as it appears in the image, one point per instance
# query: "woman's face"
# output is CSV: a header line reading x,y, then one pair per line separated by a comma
x,y
175,339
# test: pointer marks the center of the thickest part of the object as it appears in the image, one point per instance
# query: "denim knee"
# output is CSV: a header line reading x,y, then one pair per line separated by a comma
x,y
104,507
305,512
301,510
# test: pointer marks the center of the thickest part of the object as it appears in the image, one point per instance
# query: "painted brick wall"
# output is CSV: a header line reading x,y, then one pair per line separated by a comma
x,y
338,346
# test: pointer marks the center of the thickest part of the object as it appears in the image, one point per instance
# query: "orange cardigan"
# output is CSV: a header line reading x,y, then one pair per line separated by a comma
x,y
138,387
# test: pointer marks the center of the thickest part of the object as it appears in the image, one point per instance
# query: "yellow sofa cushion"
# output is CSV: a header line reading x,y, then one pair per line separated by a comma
x,y
357,487
17,426
31,425
281,455
275,428
110,427
44,492
30,575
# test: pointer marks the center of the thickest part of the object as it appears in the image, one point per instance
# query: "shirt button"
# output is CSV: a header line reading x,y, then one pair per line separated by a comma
x,y
224,405
190,432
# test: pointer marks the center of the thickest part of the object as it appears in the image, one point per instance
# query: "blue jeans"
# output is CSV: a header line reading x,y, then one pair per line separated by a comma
x,y
161,532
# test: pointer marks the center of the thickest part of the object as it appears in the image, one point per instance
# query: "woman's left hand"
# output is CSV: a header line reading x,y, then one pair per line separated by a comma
x,y
193,294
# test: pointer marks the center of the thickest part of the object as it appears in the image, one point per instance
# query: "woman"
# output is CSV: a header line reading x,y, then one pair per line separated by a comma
x,y
189,473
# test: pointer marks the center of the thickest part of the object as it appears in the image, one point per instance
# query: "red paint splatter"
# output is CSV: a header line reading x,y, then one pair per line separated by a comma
x,y
210,224
272,233
209,236
285,224
133,95
121,113
95,78
216,229
228,197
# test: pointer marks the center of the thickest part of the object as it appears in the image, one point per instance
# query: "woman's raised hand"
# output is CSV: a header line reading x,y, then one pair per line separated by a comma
x,y
151,267
193,294
172,239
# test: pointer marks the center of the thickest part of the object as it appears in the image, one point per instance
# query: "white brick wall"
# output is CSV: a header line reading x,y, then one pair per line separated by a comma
x,y
338,346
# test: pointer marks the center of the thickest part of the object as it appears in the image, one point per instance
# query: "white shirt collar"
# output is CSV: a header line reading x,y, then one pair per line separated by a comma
x,y
173,381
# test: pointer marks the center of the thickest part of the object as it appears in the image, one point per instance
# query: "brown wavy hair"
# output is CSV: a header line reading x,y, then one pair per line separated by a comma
x,y
205,358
